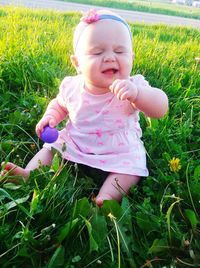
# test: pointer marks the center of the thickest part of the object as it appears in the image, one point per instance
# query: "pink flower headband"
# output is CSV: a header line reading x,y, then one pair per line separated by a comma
x,y
92,16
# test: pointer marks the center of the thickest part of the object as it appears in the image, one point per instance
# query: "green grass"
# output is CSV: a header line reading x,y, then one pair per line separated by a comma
x,y
51,221
158,7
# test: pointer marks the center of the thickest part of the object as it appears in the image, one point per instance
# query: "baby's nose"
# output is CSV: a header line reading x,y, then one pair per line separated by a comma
x,y
109,57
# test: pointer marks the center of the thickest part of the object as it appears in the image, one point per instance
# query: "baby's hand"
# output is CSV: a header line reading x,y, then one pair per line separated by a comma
x,y
46,120
124,89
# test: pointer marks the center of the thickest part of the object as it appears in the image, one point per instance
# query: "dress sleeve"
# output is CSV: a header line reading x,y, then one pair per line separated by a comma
x,y
63,92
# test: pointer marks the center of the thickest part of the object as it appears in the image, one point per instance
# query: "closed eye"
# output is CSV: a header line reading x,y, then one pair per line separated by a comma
x,y
97,53
119,51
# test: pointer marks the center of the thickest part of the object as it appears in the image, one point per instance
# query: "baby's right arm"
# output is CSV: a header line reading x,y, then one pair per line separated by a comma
x,y
53,115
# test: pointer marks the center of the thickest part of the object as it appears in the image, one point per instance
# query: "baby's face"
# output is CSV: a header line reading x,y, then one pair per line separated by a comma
x,y
104,53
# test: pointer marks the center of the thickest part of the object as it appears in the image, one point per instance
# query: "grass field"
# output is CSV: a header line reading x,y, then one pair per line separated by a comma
x,y
52,221
158,7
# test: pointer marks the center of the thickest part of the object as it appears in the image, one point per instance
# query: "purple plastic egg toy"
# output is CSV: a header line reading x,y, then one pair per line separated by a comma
x,y
49,135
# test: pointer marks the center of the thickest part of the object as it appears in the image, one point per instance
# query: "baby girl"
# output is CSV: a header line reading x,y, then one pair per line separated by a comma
x,y
102,104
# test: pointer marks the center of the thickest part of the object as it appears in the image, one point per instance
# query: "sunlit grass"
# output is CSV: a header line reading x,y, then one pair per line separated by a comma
x,y
157,7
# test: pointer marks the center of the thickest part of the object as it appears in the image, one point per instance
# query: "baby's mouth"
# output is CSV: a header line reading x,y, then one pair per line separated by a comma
x,y
110,71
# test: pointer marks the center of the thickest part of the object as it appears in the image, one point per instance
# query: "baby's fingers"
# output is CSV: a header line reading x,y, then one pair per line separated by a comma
x,y
40,126
122,94
52,122
117,85
113,85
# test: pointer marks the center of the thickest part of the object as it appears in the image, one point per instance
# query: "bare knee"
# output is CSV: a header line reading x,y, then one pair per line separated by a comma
x,y
124,181
43,157
115,186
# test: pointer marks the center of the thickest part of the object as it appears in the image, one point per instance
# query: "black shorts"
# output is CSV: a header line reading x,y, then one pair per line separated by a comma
x,y
96,174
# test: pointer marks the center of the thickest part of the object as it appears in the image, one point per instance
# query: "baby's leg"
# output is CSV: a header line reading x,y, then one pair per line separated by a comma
x,y
43,157
115,186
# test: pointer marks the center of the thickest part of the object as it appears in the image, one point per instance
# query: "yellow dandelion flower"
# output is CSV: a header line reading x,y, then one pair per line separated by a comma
x,y
174,164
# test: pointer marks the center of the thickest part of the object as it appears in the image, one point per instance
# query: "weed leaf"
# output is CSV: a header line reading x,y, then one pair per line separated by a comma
x,y
55,163
113,207
11,186
66,230
34,202
99,229
57,260
16,202
191,216
6,194
93,244
197,174
168,215
158,245
126,209
82,208
146,222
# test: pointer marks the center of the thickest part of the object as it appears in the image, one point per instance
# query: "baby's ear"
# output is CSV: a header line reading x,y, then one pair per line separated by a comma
x,y
74,61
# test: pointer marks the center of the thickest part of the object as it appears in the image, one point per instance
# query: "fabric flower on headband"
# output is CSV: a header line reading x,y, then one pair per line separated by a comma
x,y
91,16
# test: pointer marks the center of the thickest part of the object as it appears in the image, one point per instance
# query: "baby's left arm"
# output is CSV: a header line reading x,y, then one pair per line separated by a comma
x,y
150,100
